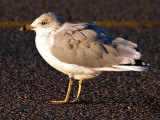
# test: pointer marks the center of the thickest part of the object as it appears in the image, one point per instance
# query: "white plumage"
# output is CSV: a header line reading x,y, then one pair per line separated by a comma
x,y
82,50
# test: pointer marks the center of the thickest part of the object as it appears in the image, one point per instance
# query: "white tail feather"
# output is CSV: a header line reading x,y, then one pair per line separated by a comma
x,y
132,68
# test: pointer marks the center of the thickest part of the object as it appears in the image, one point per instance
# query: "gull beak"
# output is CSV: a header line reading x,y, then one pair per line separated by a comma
x,y
26,27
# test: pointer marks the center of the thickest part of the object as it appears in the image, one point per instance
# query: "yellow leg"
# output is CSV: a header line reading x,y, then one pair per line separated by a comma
x,y
79,90
68,94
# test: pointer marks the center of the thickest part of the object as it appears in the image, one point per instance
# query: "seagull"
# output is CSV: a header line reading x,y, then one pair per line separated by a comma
x,y
82,50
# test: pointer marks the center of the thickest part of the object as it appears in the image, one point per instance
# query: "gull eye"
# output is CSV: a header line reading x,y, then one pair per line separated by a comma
x,y
43,23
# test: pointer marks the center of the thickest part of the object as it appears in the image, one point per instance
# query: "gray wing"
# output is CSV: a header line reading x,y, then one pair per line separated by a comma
x,y
89,45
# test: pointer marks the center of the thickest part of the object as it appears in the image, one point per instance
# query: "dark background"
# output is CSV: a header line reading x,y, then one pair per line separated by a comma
x,y
28,83
19,10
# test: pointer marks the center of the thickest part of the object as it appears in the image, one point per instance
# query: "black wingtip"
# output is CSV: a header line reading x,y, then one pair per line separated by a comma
x,y
141,63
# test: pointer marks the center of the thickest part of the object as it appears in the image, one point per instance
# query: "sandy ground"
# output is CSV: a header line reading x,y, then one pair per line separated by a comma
x,y
28,83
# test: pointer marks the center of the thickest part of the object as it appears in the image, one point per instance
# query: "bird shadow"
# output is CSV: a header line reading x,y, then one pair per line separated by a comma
x,y
89,102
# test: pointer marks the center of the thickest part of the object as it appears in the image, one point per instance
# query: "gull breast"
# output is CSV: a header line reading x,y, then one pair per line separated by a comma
x,y
75,71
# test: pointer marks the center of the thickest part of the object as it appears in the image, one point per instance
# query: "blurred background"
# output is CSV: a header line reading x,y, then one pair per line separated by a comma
x,y
85,10
28,83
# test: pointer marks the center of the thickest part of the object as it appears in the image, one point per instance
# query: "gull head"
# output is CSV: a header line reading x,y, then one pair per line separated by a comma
x,y
45,24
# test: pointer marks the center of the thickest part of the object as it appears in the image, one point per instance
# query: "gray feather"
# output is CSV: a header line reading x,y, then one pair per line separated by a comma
x,y
89,45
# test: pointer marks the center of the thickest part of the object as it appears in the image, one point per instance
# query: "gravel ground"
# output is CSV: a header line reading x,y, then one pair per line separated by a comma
x,y
28,83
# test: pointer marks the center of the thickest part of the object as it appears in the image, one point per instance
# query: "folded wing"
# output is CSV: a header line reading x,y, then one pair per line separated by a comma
x,y
89,45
